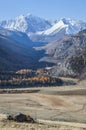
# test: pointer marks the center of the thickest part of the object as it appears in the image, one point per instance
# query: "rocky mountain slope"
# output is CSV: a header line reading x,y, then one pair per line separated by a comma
x,y
61,51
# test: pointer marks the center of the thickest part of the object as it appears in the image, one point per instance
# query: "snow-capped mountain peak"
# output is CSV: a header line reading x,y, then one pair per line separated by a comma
x,y
26,23
73,26
70,26
54,29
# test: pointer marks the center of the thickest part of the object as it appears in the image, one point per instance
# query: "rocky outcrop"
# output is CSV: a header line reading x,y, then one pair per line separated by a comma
x,y
20,117
61,51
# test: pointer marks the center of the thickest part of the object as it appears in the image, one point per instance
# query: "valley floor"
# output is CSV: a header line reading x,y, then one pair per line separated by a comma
x,y
61,104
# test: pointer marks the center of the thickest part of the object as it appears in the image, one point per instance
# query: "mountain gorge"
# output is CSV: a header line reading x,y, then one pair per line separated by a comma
x,y
32,42
15,55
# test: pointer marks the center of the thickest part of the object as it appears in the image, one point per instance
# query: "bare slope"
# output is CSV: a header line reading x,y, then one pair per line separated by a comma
x,y
46,105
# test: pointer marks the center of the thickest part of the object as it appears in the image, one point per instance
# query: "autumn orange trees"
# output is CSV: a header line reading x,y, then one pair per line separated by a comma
x,y
27,78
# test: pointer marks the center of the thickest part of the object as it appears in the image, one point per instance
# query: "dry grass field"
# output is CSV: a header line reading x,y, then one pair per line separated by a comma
x,y
65,104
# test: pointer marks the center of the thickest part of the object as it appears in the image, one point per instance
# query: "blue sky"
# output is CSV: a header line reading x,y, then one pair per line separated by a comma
x,y
50,9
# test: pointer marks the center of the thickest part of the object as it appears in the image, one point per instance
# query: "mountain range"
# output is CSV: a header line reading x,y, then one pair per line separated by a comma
x,y
29,40
42,30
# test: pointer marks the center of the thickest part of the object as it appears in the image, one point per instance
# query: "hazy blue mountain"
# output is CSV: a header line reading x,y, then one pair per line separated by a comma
x,y
17,36
14,56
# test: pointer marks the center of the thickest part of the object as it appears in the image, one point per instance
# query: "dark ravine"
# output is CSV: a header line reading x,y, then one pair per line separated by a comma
x,y
15,56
